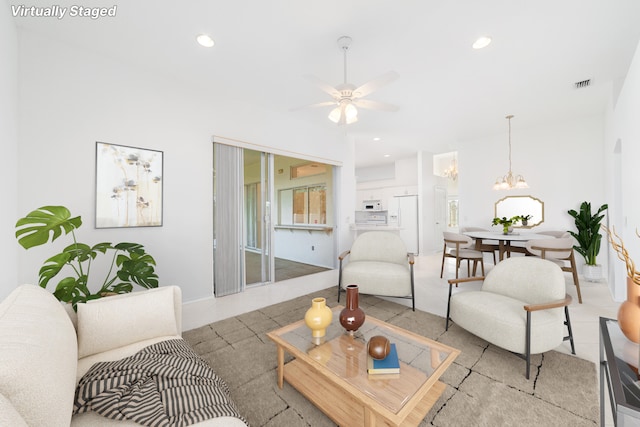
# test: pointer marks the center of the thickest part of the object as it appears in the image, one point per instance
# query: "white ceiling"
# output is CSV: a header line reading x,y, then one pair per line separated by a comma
x,y
447,92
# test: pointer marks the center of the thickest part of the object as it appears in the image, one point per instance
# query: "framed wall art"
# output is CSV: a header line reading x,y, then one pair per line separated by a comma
x,y
128,186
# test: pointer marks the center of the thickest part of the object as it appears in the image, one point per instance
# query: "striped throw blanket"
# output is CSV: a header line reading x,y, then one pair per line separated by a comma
x,y
165,384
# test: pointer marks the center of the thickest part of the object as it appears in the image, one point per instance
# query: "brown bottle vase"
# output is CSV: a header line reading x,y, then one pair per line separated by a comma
x,y
352,316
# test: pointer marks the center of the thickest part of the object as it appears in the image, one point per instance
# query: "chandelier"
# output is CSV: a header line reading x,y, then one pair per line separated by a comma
x,y
451,171
509,181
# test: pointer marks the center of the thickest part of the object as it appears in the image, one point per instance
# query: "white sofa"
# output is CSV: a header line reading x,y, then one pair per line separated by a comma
x,y
42,355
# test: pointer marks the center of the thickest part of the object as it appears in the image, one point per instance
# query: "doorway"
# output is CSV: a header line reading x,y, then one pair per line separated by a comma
x,y
273,217
257,216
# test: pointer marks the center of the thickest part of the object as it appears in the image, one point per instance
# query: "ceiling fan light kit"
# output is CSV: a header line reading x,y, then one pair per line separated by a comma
x,y
347,98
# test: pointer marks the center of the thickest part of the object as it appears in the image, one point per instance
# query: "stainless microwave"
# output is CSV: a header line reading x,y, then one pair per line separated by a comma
x,y
371,205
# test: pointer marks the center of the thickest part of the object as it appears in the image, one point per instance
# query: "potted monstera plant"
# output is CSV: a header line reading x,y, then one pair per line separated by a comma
x,y
129,263
588,238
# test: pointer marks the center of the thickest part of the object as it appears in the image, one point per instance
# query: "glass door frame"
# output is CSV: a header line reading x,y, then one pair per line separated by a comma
x,y
263,224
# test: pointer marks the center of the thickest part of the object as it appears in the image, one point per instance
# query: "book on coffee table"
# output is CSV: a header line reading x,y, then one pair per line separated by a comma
x,y
388,365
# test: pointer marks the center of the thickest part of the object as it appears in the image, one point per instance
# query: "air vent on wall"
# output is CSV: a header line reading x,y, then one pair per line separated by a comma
x,y
582,84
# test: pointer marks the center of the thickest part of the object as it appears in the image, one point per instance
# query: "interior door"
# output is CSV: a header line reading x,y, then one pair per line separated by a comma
x,y
440,211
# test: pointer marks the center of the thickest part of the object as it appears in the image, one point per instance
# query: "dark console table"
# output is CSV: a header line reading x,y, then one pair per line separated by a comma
x,y
619,360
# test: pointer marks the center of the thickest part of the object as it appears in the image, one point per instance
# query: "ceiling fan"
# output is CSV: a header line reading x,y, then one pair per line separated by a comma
x,y
347,97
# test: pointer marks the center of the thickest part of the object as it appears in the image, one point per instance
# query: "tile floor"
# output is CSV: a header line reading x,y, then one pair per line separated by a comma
x,y
431,296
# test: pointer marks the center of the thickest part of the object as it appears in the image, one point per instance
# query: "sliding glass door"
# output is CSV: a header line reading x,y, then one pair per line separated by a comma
x,y
257,205
273,217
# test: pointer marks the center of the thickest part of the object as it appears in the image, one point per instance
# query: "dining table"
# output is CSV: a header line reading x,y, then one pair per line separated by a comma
x,y
504,240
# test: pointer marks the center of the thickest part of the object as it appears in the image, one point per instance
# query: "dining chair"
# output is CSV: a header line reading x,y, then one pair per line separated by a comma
x,y
555,233
459,246
483,245
560,251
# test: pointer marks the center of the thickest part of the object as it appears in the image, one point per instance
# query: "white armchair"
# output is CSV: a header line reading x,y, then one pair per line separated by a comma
x,y
518,308
380,265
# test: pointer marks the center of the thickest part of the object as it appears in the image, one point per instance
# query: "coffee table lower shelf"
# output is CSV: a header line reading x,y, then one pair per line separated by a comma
x,y
345,409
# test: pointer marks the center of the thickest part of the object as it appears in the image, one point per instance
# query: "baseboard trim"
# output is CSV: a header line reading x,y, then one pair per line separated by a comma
x,y
207,310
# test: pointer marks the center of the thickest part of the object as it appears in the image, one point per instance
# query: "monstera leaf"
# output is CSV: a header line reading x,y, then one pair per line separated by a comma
x,y
37,226
129,263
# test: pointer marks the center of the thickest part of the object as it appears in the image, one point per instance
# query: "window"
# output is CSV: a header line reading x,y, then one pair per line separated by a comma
x,y
308,169
303,205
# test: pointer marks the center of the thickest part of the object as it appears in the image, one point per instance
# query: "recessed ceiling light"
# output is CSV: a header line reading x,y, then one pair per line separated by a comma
x,y
482,42
376,139
205,40
387,155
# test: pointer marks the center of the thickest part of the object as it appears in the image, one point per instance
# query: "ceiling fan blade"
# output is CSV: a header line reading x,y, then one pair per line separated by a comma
x,y
326,87
375,105
318,104
374,84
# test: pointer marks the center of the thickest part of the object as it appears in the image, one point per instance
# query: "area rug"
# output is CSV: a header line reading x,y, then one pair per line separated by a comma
x,y
486,385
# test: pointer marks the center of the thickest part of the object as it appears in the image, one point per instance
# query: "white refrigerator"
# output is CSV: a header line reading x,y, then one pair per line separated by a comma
x,y
403,213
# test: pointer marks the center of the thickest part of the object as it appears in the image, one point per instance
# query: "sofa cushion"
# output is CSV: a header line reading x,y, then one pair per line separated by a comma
x,y
38,357
8,414
378,278
113,322
381,246
91,419
501,320
528,279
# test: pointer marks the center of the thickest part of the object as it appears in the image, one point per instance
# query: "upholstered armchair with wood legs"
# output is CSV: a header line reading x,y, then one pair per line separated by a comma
x,y
380,265
519,307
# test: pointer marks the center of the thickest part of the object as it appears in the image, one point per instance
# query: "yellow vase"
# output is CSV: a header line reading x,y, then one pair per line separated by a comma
x,y
318,317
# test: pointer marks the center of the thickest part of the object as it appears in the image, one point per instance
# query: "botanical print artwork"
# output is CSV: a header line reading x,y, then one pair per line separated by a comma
x,y
128,186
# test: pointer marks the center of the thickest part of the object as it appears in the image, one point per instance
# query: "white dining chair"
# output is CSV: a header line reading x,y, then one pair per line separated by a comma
x,y
561,252
484,246
460,247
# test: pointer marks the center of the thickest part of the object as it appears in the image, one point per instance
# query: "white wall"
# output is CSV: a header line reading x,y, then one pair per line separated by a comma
x,y
561,162
71,98
8,160
622,151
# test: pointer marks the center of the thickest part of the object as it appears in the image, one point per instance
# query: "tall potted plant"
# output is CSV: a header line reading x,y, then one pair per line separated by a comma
x,y
588,238
129,264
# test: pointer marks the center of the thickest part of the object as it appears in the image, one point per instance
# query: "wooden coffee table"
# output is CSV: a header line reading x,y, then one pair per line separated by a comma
x,y
333,375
